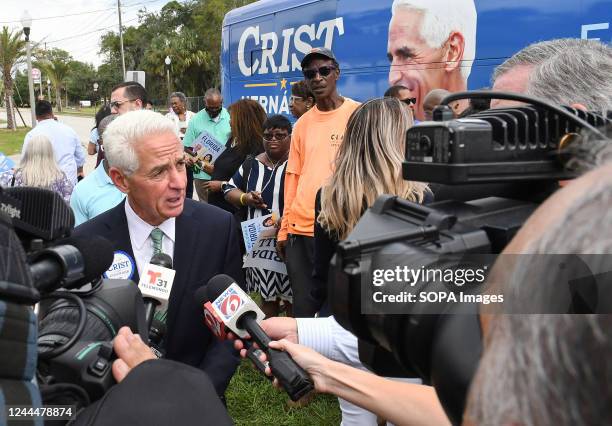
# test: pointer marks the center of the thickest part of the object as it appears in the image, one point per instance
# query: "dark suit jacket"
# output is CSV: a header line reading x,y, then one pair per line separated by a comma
x,y
206,245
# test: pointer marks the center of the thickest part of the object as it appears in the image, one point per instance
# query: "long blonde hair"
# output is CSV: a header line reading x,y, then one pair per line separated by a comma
x,y
38,166
369,164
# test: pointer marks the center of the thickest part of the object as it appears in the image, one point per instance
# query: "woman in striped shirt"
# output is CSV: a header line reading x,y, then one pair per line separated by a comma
x,y
258,186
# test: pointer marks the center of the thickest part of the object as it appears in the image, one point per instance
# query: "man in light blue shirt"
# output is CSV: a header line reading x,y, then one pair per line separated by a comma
x,y
213,119
96,193
68,151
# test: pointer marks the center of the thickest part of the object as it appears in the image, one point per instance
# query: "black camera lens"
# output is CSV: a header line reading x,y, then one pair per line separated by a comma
x,y
425,144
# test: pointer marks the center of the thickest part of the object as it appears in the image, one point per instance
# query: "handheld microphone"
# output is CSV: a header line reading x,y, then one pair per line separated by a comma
x,y
238,312
155,284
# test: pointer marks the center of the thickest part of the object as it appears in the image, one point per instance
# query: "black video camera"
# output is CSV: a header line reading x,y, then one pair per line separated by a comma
x,y
489,172
79,314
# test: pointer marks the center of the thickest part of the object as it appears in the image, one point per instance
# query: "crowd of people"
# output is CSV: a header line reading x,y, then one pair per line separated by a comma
x,y
315,178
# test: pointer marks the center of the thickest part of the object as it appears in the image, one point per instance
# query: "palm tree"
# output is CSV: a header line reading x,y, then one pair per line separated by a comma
x,y
12,53
55,63
57,70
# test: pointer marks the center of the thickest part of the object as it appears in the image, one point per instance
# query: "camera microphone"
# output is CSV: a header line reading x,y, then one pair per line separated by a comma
x,y
72,264
37,212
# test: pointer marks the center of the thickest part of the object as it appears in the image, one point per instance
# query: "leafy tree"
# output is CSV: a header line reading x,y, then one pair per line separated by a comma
x,y
12,53
188,32
108,75
80,80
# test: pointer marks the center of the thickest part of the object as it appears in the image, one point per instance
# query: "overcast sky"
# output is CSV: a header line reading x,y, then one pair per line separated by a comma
x,y
80,33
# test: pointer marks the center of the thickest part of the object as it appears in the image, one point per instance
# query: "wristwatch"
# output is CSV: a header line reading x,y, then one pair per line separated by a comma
x,y
225,186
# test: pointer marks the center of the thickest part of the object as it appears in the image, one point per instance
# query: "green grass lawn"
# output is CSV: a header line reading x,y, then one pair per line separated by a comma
x,y
82,112
252,400
11,141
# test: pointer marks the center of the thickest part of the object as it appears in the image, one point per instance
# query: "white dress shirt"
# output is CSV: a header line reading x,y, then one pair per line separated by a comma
x,y
333,341
67,148
330,339
140,237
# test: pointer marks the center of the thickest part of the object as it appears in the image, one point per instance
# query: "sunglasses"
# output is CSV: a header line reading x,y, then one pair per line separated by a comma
x,y
117,104
323,71
409,101
272,136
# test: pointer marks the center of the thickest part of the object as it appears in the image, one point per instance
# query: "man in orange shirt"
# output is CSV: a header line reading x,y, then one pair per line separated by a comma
x,y
316,137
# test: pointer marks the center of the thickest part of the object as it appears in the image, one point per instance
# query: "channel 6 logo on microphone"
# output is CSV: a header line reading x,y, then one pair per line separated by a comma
x,y
229,302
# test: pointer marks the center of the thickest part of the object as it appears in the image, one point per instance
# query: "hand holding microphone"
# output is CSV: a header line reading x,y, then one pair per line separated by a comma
x,y
277,328
315,364
226,305
285,333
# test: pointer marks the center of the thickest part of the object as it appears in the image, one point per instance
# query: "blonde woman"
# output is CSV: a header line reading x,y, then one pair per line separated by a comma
x,y
38,168
368,165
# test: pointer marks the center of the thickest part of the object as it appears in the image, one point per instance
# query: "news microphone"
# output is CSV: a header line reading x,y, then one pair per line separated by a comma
x,y
72,264
155,284
238,312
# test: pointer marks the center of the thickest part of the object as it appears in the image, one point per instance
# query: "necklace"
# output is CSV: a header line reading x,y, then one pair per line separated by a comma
x,y
273,170
272,162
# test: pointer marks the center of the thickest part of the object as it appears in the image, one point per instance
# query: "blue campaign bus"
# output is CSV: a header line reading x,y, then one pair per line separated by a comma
x,y
263,43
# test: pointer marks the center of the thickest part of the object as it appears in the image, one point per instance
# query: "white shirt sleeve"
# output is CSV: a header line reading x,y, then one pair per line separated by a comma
x,y
79,152
330,339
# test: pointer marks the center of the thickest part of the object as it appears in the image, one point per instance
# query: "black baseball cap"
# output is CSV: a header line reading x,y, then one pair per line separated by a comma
x,y
318,51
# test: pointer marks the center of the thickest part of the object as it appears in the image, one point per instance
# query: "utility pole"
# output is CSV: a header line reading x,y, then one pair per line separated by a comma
x,y
26,21
121,38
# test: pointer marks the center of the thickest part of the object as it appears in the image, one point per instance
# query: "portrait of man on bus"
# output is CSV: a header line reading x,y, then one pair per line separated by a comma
x,y
431,45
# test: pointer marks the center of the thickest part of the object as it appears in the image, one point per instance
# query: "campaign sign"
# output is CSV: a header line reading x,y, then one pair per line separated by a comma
x,y
264,256
6,163
254,228
207,147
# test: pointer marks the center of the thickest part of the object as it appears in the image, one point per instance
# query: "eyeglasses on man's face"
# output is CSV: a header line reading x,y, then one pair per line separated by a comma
x,y
323,71
117,104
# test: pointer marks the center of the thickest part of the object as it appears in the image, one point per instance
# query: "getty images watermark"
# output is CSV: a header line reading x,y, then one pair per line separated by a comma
x,y
437,284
